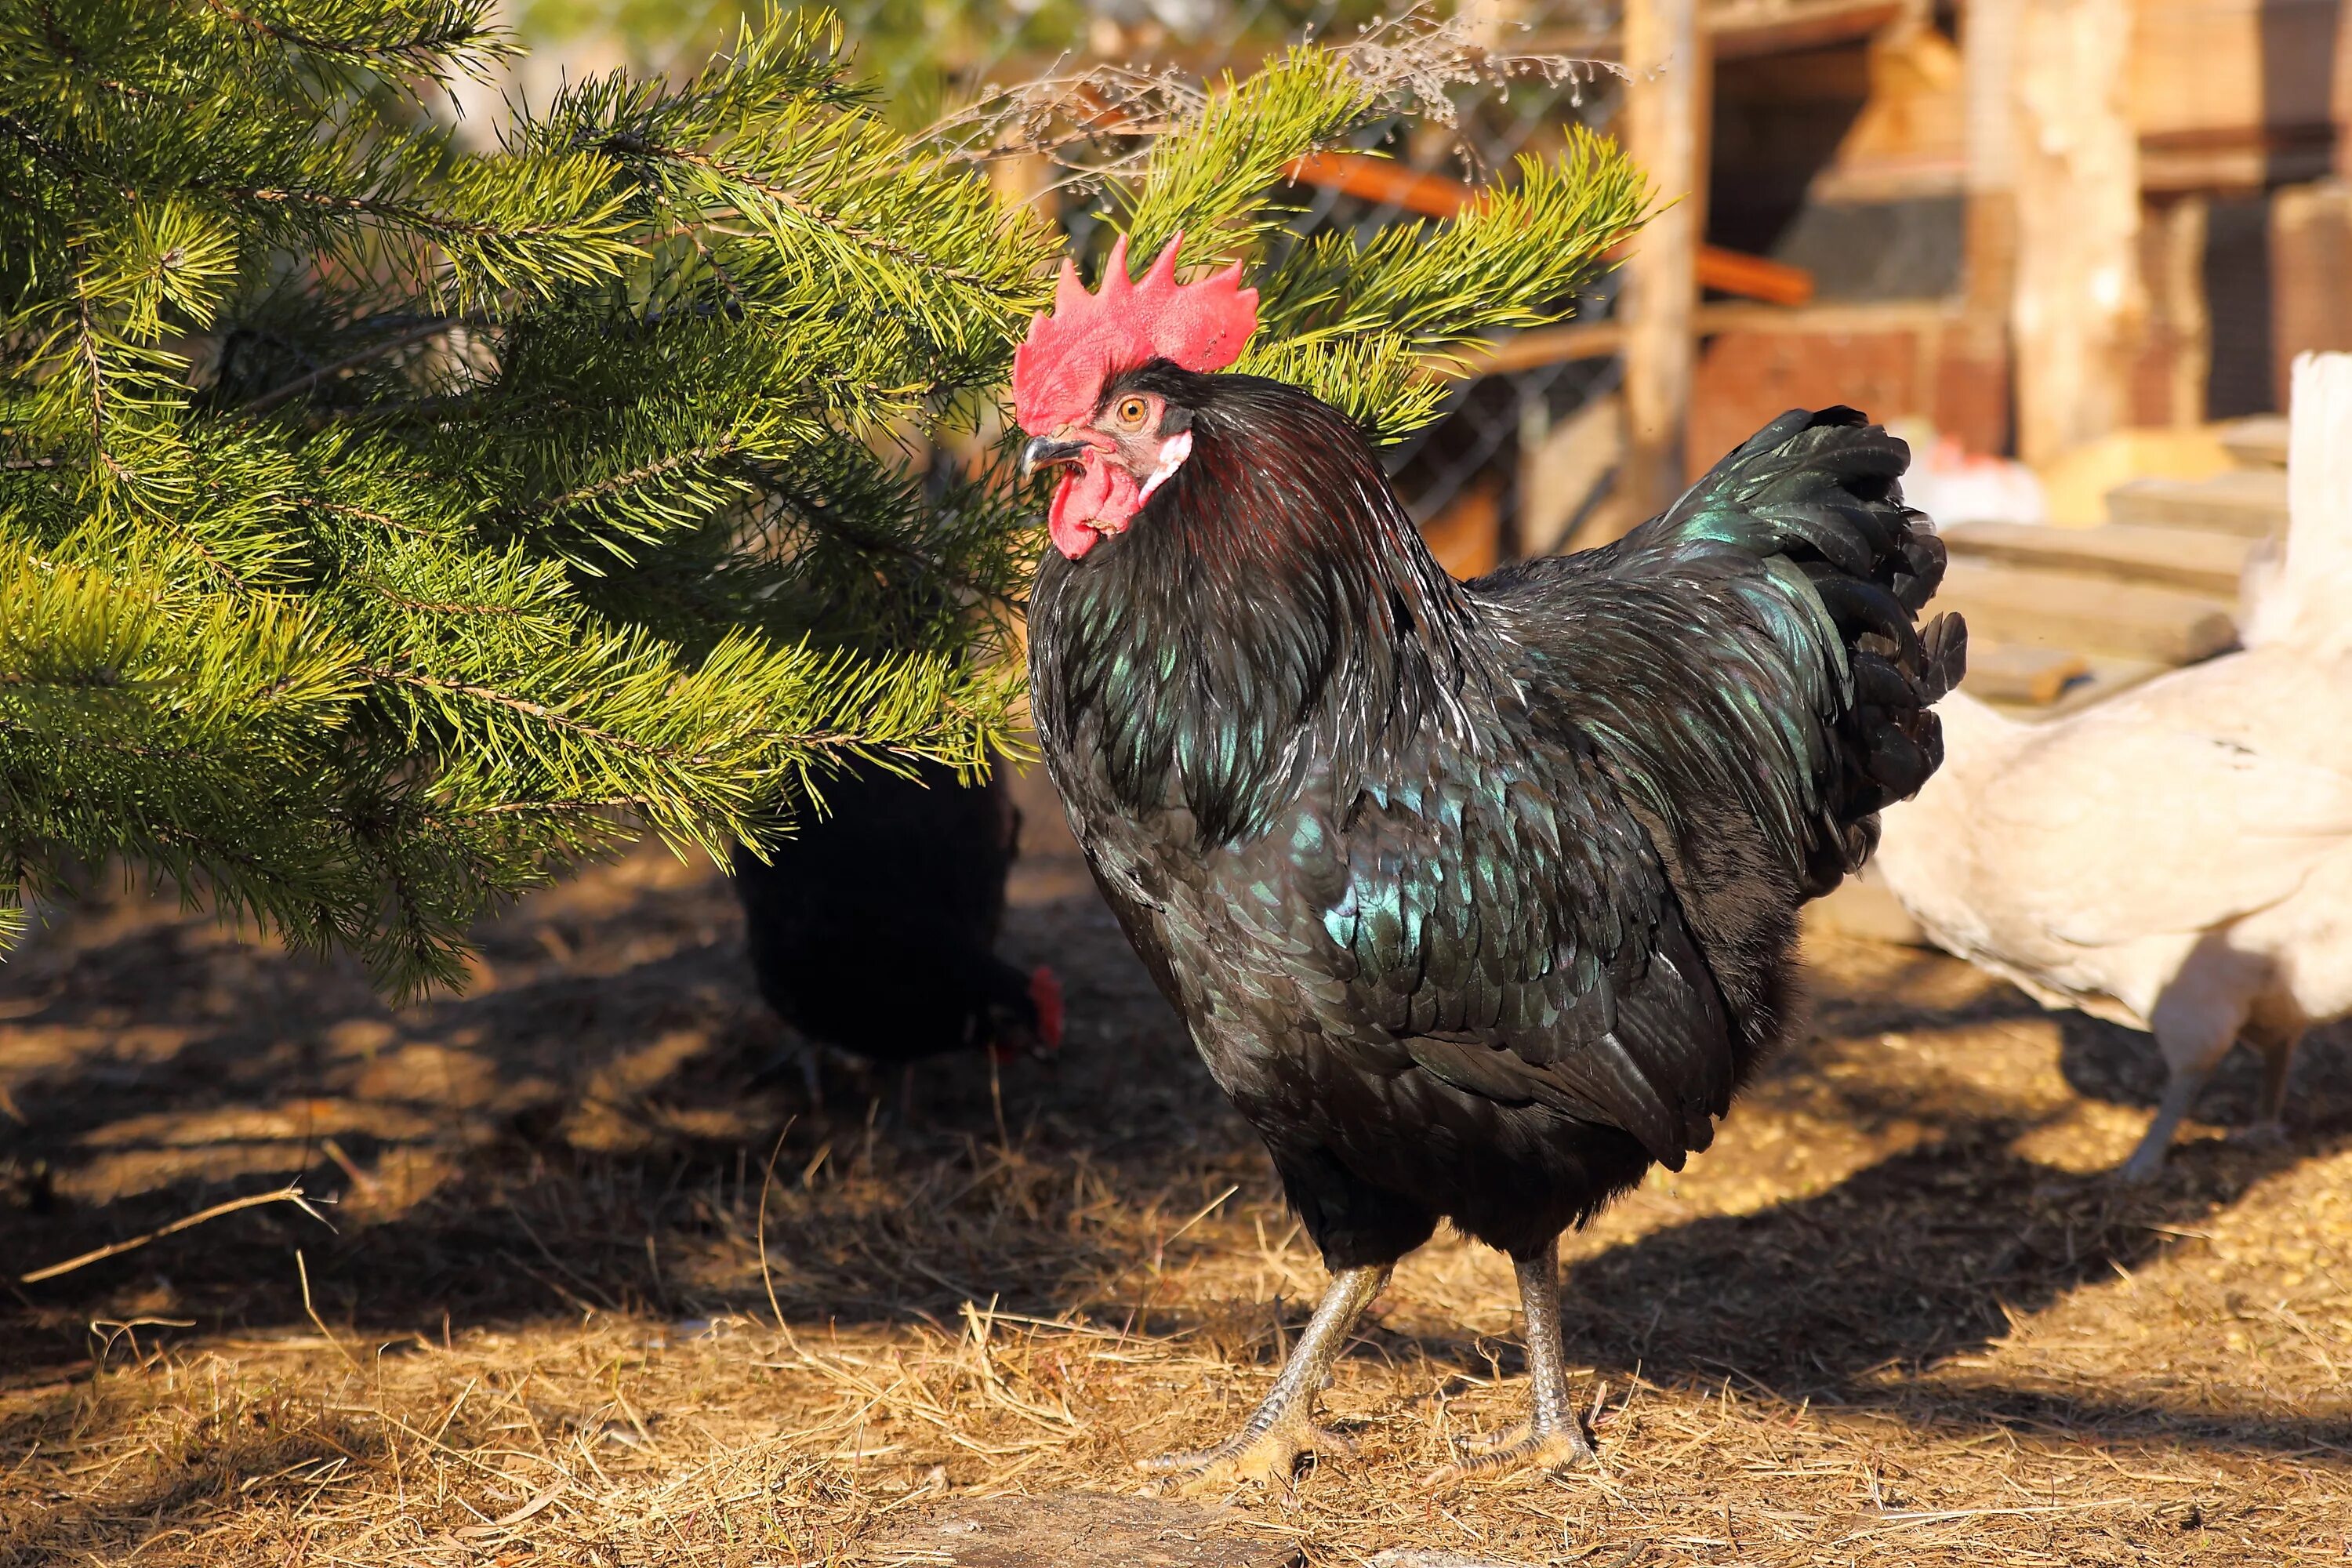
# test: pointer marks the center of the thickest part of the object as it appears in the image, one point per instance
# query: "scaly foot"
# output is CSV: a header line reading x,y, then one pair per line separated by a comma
x,y
1521,1448
1268,1455
1283,1428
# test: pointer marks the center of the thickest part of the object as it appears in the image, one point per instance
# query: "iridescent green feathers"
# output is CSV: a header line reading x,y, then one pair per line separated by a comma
x,y
1479,898
1758,641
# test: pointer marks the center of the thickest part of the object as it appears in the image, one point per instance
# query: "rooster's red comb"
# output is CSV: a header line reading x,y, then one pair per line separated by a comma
x,y
1059,371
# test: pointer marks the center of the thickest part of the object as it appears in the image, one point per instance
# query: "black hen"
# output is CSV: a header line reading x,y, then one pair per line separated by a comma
x,y
873,928
1477,900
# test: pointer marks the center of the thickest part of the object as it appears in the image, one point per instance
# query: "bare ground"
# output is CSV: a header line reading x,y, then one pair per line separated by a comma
x,y
1895,1317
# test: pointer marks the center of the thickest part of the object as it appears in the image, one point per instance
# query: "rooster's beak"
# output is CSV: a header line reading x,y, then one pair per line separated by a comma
x,y
1046,452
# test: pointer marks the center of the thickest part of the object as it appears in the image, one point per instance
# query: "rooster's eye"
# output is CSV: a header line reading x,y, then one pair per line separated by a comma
x,y
1133,412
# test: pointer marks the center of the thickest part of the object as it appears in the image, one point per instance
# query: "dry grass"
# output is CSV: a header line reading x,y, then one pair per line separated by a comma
x,y
1894,1318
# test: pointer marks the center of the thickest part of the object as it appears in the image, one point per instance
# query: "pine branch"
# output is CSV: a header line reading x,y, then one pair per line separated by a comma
x,y
302,384
384,528
1213,180
440,32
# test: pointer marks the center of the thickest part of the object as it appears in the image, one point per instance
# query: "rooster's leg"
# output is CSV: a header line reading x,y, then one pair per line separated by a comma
x,y
1551,1439
1283,1426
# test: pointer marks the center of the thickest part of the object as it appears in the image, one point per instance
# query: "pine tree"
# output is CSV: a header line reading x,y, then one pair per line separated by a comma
x,y
386,527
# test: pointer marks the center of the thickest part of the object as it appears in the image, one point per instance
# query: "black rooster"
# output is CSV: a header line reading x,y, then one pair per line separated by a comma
x,y
873,927
1477,900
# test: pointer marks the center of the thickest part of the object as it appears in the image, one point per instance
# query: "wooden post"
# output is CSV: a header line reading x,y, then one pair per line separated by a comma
x,y
2079,303
1988,274
2311,275
2177,356
1988,45
1666,126
2340,96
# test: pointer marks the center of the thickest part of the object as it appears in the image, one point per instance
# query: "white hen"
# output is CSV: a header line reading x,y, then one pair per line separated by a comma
x,y
2178,859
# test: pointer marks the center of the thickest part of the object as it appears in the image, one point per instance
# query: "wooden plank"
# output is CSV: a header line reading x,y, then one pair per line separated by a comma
x,y
2194,559
1372,179
2258,440
1545,345
2248,501
2036,676
1747,378
2093,614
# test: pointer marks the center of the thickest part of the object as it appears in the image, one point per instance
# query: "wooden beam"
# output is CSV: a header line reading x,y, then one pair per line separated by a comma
x,y
2340,96
1385,180
1595,340
2093,614
2204,562
2245,159
1740,29
1541,346
2250,502
2078,304
1666,118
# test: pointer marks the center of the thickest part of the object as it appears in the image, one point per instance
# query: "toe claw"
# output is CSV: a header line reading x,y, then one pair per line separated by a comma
x,y
1552,1452
1270,1457
1476,1443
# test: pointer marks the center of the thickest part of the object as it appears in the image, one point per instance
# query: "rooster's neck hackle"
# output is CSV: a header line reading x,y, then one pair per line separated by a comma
x,y
1273,611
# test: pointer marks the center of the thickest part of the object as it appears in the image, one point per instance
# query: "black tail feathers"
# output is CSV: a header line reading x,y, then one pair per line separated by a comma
x,y
1828,484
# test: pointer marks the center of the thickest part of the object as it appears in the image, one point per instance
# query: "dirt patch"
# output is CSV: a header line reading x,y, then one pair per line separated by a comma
x,y
1895,1317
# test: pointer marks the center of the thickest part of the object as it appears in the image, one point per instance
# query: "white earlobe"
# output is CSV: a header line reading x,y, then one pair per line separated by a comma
x,y
1172,453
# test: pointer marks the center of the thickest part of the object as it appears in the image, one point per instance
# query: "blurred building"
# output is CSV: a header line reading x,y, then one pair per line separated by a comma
x,y
2073,232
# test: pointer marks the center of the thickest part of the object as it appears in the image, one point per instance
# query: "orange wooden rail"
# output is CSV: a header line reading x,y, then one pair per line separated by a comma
x,y
1434,196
